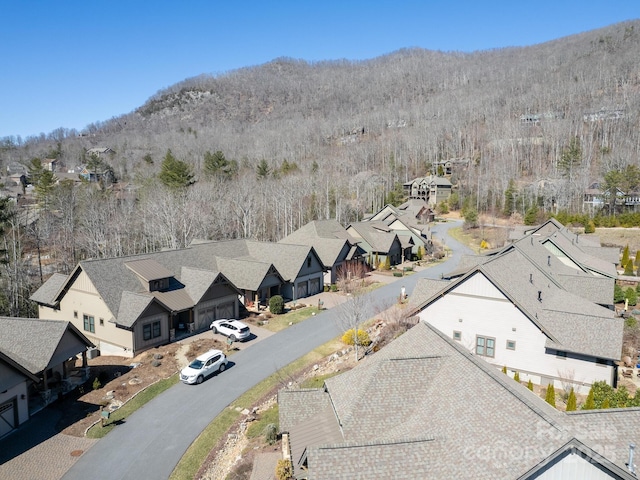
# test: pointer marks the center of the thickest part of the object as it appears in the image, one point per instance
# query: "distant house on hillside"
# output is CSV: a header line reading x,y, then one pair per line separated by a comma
x,y
99,152
431,189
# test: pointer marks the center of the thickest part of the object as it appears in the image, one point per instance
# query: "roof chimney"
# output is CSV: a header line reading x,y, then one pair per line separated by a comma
x,y
539,295
630,465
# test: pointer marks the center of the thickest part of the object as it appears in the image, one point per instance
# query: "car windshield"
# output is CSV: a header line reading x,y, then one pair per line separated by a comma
x,y
196,364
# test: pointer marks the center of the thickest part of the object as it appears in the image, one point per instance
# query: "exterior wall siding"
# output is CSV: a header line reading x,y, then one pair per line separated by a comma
x,y
573,466
489,314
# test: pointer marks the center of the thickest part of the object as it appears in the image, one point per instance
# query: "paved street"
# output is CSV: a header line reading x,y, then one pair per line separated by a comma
x,y
150,442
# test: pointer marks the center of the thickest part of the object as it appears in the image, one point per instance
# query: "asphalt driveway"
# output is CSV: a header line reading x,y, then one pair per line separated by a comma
x,y
149,444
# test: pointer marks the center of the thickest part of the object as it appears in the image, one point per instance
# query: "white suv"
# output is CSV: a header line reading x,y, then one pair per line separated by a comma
x,y
234,329
206,364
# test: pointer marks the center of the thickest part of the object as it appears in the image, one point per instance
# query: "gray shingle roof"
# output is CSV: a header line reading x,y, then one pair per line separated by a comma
x,y
120,282
37,344
327,237
378,235
48,290
572,322
424,407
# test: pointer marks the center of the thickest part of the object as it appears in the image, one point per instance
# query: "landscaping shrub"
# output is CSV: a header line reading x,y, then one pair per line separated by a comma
x,y
284,470
96,384
571,401
363,337
334,287
276,304
550,397
618,294
631,295
271,433
516,377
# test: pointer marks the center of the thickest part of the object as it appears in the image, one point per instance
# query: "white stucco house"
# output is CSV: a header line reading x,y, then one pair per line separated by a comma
x,y
512,312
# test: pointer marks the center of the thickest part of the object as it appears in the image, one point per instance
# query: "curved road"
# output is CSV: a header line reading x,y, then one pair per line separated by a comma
x,y
152,440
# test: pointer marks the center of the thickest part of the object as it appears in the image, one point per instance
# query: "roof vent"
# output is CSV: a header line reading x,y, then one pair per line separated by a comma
x,y
549,260
539,295
531,278
630,465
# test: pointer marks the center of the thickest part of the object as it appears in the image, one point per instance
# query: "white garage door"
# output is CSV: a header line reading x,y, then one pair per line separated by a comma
x,y
7,417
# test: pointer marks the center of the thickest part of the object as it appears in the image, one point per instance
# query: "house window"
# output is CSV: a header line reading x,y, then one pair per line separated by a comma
x,y
511,344
485,346
457,335
151,330
89,323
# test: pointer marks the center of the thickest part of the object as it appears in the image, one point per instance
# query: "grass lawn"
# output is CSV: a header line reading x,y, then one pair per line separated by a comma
x,y
280,322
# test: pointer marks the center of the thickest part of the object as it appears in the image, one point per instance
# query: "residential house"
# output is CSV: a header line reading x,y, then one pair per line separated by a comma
x,y
425,407
409,222
99,152
513,311
50,164
584,249
37,364
380,242
298,267
129,304
335,247
432,189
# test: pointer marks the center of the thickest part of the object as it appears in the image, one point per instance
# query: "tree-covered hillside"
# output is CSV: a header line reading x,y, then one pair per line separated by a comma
x,y
334,139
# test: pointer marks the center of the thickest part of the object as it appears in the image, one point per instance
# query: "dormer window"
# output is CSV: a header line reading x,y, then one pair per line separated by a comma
x,y
159,284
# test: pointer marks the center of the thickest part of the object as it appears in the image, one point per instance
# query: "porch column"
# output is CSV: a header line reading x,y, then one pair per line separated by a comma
x,y
84,359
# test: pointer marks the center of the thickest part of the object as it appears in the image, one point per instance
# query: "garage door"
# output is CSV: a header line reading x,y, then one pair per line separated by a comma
x,y
225,310
314,286
302,290
7,417
205,317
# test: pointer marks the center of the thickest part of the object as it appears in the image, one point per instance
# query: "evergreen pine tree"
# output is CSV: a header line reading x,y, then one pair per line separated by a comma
x,y
571,401
550,397
516,377
628,268
589,404
625,255
530,385
637,259
605,403
387,263
175,173
504,369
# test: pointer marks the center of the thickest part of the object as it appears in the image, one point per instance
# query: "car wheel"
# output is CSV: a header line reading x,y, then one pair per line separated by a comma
x,y
222,367
199,379
232,337
214,330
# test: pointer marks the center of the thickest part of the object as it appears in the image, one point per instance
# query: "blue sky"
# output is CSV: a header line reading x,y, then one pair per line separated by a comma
x,y
69,63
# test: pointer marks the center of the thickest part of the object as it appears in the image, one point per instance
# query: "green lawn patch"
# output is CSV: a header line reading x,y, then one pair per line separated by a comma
x,y
280,322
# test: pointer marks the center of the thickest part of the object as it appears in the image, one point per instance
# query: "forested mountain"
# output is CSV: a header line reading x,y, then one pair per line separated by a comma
x,y
276,145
